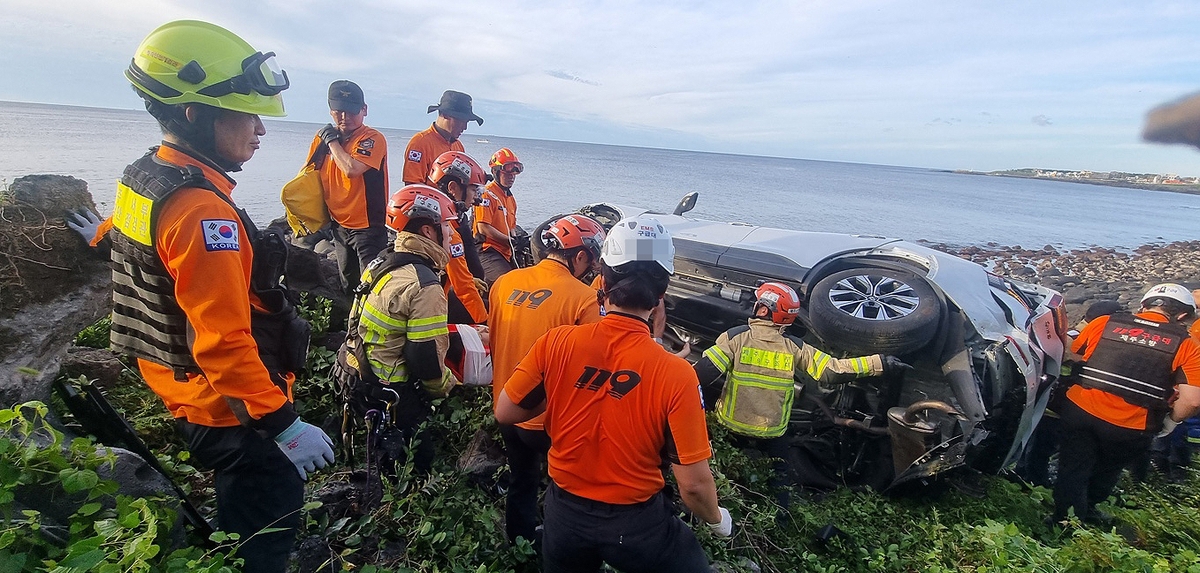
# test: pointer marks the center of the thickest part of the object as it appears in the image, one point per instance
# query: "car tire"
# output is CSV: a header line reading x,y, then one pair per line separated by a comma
x,y
872,310
536,247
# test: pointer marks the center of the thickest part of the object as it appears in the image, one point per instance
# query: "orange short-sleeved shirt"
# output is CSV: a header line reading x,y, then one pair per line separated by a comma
x,y
423,149
1114,409
498,208
524,305
212,286
616,402
357,202
459,278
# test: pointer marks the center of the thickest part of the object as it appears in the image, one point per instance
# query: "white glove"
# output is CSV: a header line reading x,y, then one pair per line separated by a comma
x,y
1168,426
307,446
85,223
723,528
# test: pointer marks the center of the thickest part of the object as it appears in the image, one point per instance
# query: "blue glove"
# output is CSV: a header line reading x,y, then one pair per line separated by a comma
x,y
307,446
329,134
85,222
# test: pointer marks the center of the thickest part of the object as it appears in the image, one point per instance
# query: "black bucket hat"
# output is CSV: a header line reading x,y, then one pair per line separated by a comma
x,y
456,105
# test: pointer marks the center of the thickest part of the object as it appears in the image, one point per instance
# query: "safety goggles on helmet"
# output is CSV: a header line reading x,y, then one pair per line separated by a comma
x,y
514,168
260,73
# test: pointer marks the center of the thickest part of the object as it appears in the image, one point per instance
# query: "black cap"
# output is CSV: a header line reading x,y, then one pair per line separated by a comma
x,y
345,95
456,105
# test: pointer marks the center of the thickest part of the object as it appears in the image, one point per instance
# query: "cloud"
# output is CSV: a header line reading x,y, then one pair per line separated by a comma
x,y
565,76
808,78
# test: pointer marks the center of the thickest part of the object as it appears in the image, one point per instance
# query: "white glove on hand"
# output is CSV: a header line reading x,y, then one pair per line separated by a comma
x,y
1168,426
85,223
723,528
307,446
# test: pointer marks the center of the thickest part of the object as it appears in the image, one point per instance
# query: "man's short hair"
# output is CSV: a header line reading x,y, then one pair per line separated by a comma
x,y
636,285
414,226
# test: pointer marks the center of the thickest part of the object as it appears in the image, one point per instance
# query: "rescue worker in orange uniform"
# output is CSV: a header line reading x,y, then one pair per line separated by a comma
x,y
354,177
617,407
462,179
525,304
1141,375
748,375
496,216
454,113
196,288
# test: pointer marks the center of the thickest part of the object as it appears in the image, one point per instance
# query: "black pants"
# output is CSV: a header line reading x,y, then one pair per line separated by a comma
x,y
354,249
494,264
389,446
1091,458
526,450
581,534
1034,466
778,450
257,488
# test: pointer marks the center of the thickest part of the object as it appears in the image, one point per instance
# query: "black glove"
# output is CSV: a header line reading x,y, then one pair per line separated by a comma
x,y
893,366
329,134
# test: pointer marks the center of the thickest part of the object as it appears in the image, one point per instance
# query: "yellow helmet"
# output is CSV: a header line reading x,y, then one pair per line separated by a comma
x,y
188,61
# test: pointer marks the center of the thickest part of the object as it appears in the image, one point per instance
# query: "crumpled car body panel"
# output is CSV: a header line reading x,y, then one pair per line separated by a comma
x,y
1012,336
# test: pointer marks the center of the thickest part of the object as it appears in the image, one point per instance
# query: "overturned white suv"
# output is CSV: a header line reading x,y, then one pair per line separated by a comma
x,y
985,349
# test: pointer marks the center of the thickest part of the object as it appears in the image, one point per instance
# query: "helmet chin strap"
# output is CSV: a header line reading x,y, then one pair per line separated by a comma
x,y
199,135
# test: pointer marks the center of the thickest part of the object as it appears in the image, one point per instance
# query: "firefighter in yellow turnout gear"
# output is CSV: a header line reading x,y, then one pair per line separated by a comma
x,y
753,369
393,359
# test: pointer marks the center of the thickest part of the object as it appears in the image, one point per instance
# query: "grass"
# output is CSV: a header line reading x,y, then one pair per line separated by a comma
x,y
451,522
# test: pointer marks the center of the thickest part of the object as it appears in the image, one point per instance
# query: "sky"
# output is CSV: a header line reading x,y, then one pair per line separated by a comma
x,y
922,83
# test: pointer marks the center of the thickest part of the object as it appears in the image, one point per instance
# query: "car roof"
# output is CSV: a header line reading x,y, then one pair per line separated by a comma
x,y
780,253
787,255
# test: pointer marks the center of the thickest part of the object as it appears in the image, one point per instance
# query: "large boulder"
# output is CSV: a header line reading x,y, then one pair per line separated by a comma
x,y
40,258
52,284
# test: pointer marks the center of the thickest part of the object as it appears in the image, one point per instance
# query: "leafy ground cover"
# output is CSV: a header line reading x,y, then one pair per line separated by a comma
x,y
452,522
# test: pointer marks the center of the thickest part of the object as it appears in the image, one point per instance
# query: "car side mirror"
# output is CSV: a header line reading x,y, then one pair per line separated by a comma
x,y
687,203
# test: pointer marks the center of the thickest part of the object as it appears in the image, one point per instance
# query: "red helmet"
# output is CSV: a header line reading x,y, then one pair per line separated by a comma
x,y
780,299
457,166
572,231
418,202
505,158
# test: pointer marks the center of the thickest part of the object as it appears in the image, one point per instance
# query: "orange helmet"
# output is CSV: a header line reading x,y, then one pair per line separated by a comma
x,y
572,231
457,166
780,299
506,160
419,202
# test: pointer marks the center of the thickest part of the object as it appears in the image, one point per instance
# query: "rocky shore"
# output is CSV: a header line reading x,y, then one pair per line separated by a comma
x,y
1095,273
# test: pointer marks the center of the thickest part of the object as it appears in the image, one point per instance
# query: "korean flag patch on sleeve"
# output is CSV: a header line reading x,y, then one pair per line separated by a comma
x,y
220,234
414,155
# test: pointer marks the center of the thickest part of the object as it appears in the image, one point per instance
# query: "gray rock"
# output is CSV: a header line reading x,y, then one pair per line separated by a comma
x,y
34,340
98,364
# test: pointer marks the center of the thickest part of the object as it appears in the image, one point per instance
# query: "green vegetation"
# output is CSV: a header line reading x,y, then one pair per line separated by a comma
x,y
451,522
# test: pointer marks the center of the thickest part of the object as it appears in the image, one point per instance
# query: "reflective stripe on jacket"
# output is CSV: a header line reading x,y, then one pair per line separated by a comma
x,y
760,363
402,307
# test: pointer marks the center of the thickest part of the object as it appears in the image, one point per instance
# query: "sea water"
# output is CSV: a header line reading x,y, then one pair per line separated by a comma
x,y
902,202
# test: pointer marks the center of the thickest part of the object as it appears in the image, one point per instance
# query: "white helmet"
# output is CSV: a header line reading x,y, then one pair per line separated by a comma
x,y
1172,291
640,238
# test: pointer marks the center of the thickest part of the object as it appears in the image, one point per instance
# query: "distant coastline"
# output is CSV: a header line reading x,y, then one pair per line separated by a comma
x,y
1151,182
